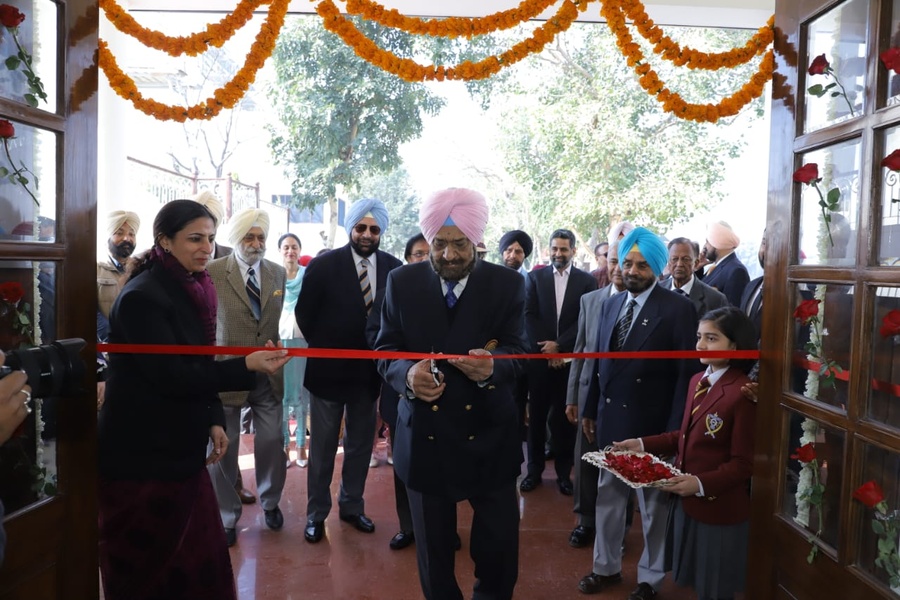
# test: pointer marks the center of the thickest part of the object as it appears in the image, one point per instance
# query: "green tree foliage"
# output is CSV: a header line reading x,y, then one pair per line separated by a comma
x,y
402,205
340,118
589,147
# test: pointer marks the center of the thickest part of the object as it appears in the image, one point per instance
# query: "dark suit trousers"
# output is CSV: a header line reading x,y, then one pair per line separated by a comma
x,y
401,499
324,428
494,544
586,476
547,396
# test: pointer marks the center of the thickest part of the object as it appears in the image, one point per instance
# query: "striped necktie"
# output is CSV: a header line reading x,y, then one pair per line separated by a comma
x,y
364,284
700,392
253,293
624,324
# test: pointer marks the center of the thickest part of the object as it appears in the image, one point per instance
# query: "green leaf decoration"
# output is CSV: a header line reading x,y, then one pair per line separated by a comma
x,y
12,63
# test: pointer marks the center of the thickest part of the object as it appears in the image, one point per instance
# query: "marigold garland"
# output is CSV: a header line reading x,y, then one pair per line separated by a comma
x,y
224,97
672,102
670,50
451,26
409,70
215,34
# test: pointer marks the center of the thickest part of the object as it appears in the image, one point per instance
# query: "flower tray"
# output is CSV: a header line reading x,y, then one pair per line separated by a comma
x,y
635,469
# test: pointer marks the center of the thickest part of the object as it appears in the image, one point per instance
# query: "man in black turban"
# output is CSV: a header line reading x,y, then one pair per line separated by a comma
x,y
515,247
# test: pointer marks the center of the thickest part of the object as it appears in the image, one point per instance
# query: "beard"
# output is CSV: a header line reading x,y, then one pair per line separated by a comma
x,y
452,270
250,255
122,250
366,249
560,262
636,285
711,254
513,263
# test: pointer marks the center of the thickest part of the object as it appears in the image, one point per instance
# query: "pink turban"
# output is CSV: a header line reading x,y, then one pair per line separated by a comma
x,y
722,236
467,209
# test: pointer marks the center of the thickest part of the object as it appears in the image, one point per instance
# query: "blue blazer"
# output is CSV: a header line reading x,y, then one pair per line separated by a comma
x,y
467,442
638,397
729,277
331,313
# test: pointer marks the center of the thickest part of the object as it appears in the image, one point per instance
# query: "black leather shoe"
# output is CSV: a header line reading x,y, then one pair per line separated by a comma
x,y
402,540
457,543
274,519
582,536
529,483
230,536
594,584
565,487
644,591
246,496
360,521
314,532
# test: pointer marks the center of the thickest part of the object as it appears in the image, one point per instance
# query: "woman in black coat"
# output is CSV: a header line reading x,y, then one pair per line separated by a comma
x,y
160,531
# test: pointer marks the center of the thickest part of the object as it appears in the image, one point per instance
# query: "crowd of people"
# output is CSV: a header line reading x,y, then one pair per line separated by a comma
x,y
456,418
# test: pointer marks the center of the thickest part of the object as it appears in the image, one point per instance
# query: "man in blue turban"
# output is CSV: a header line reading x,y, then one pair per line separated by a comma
x,y
339,289
632,398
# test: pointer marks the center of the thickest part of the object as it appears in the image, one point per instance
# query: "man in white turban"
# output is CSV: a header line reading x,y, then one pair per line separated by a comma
x,y
250,291
458,434
121,230
338,292
725,272
217,210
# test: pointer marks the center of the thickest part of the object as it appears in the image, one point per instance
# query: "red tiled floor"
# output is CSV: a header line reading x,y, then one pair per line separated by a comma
x,y
350,565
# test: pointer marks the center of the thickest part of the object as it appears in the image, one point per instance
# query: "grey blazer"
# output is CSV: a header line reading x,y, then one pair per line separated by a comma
x,y
235,323
704,297
588,326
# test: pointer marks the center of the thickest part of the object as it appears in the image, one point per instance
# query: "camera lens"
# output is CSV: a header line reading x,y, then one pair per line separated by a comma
x,y
54,369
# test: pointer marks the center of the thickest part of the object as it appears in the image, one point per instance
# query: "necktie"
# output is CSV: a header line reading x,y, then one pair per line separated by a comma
x,y
253,292
450,297
756,305
680,292
624,324
364,284
700,393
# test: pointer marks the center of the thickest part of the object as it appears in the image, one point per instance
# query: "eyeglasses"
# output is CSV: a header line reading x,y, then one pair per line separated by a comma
x,y
361,229
420,254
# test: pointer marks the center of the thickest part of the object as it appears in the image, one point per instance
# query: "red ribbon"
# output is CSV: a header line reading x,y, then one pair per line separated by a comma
x,y
380,354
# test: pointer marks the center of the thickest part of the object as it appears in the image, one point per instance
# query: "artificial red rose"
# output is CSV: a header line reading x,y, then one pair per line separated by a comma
x,y
807,173
869,493
890,324
10,16
6,129
891,59
892,161
807,310
805,453
819,65
11,291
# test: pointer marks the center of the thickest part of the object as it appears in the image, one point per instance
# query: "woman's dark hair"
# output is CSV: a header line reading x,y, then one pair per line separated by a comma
x,y
410,243
171,218
738,328
289,235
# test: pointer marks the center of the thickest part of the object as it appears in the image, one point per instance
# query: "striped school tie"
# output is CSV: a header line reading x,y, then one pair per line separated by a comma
x,y
700,393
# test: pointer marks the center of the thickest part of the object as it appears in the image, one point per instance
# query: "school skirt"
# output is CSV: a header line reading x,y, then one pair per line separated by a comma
x,y
163,540
712,559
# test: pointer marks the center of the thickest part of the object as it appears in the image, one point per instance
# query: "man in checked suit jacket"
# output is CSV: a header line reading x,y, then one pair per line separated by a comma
x,y
580,374
551,321
241,323
637,397
683,261
339,288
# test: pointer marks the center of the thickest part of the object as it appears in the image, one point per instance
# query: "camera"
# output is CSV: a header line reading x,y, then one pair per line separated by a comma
x,y
53,369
